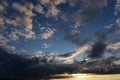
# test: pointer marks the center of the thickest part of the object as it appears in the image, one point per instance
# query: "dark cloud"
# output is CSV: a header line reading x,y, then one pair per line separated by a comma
x,y
14,66
103,66
99,45
97,50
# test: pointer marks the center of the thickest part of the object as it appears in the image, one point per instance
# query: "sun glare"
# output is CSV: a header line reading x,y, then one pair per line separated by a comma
x,y
79,75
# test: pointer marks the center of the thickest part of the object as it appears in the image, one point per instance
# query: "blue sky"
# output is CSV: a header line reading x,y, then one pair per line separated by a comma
x,y
58,26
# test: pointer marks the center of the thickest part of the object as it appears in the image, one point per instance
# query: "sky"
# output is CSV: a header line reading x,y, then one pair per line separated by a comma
x,y
90,27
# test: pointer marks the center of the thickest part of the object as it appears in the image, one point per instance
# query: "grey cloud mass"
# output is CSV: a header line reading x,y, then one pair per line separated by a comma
x,y
97,50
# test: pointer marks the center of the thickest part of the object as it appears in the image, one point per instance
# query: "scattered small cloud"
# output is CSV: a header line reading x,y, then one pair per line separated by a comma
x,y
3,6
39,9
13,36
24,8
47,33
45,45
117,7
52,11
4,45
11,49
1,21
114,27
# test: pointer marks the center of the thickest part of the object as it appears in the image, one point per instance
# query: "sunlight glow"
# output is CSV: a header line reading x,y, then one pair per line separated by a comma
x,y
79,75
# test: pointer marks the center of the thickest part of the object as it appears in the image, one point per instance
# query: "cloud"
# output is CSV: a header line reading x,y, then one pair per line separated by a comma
x,y
74,53
51,5
73,3
115,27
27,34
51,58
3,6
1,21
98,3
23,22
23,27
74,37
52,11
58,2
45,45
17,64
26,9
4,45
113,47
47,33
11,49
13,36
87,12
100,36
39,9
52,2
3,41
99,45
117,7
23,67
97,50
